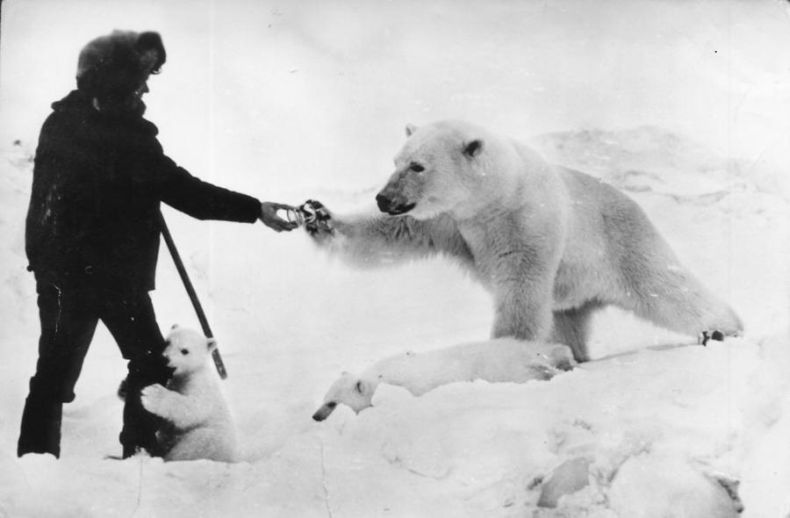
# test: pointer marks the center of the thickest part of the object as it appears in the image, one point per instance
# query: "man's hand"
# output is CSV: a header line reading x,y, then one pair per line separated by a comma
x,y
272,220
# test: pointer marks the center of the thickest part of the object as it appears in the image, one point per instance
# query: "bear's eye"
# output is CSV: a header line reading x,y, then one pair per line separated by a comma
x,y
417,168
185,351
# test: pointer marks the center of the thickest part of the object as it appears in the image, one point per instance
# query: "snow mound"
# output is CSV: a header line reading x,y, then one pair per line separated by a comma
x,y
652,159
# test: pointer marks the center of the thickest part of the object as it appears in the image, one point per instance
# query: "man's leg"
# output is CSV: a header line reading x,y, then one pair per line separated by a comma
x,y
67,326
131,320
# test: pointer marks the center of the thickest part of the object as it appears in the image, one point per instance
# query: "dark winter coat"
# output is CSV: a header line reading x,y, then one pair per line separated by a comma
x,y
98,181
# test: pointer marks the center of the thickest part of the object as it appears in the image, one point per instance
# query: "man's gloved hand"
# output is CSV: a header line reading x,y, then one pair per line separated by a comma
x,y
272,220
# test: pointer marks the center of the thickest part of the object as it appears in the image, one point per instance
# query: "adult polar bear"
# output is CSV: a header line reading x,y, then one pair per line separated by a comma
x,y
552,245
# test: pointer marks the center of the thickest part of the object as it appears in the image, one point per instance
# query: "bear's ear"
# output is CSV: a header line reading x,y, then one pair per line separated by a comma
x,y
410,129
174,326
473,148
360,387
211,343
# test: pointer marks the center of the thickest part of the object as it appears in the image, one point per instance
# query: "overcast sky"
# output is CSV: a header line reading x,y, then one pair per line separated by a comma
x,y
247,79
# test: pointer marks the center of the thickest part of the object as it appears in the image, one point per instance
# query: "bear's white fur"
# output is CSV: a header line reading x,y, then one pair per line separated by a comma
x,y
198,422
515,361
553,245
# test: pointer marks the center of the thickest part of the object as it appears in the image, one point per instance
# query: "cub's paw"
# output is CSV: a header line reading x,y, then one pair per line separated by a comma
x,y
317,219
153,398
705,336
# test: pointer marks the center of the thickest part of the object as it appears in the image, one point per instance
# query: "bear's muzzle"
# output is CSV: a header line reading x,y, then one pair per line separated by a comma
x,y
324,412
393,207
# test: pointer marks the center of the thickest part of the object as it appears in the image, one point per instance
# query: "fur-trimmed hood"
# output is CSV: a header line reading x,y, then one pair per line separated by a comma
x,y
115,65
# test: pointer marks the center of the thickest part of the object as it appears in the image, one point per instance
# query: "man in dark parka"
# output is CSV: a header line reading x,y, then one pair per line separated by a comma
x,y
92,233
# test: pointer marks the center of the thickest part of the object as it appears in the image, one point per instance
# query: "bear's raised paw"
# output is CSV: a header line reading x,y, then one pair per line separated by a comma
x,y
317,219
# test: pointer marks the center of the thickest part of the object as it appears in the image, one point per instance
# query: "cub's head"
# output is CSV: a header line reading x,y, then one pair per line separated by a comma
x,y
438,170
350,390
187,350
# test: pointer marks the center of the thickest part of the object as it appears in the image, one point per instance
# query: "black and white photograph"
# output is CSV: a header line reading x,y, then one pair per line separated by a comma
x,y
395,258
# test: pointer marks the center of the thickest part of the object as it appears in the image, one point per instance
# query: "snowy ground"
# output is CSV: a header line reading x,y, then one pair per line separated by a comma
x,y
654,426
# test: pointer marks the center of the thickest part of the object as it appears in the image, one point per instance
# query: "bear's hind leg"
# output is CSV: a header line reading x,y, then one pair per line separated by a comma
x,y
571,327
674,299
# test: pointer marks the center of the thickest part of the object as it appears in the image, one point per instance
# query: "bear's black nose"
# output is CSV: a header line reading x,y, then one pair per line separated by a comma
x,y
384,203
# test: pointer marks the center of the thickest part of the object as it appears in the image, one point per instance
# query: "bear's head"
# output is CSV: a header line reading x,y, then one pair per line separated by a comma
x,y
353,391
441,169
187,350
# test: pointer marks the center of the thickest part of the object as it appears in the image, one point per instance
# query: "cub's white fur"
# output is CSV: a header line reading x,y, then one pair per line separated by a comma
x,y
198,422
551,244
500,360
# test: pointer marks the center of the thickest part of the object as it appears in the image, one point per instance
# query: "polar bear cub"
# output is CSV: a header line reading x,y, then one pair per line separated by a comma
x,y
500,360
198,423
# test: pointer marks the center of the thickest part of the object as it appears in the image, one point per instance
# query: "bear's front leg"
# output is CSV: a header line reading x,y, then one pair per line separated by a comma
x,y
523,316
178,409
154,399
523,295
370,240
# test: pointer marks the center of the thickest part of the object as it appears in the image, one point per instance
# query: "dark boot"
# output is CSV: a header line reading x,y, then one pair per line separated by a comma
x,y
40,428
139,425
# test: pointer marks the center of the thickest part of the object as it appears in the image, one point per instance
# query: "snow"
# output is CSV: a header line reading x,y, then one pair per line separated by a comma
x,y
680,104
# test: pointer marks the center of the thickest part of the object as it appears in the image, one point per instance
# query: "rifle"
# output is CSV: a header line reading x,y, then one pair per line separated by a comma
x,y
223,373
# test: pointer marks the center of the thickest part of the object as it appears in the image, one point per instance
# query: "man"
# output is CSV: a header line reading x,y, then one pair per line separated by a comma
x,y
92,235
